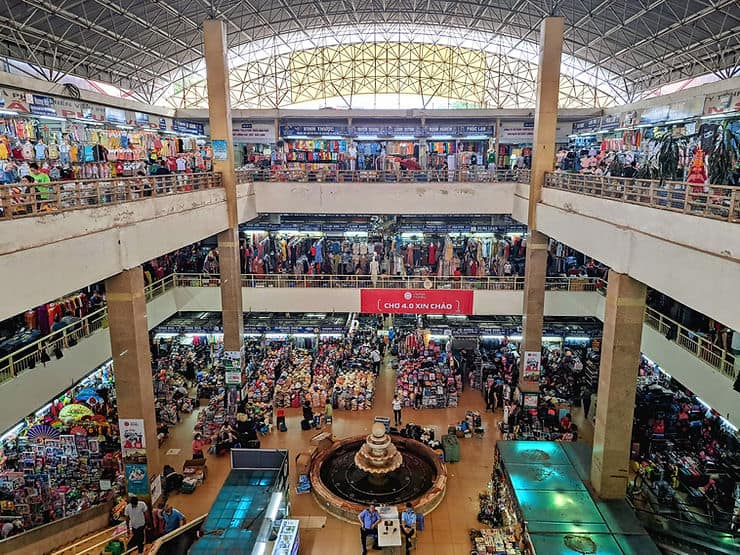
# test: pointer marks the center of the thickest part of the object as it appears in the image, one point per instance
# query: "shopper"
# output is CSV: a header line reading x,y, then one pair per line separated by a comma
x,y
408,525
307,415
198,445
369,519
173,518
43,191
135,513
396,410
586,401
375,357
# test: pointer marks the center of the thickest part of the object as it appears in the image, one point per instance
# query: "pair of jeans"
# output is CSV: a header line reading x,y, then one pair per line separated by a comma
x,y
408,536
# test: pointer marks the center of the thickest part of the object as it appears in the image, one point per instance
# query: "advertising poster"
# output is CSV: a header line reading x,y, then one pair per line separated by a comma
x,y
416,301
137,480
133,439
220,151
532,366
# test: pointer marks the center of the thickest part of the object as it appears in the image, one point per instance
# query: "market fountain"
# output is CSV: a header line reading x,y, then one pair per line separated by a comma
x,y
376,468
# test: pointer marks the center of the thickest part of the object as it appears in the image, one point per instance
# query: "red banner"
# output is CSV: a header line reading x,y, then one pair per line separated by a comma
x,y
416,301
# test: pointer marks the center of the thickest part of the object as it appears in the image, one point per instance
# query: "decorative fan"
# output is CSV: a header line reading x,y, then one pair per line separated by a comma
x,y
78,431
580,544
74,412
41,432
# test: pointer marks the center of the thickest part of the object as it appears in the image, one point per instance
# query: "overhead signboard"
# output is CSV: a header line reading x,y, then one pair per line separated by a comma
x,y
522,133
416,301
722,103
253,132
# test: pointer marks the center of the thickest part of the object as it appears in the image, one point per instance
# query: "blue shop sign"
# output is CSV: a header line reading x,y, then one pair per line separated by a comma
x,y
162,124
114,115
288,131
610,122
188,127
141,119
587,126
39,110
39,100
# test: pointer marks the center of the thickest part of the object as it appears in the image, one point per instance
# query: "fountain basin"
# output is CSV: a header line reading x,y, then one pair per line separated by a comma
x,y
343,489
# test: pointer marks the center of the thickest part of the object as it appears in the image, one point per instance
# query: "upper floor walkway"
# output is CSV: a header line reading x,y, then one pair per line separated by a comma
x,y
677,238
27,382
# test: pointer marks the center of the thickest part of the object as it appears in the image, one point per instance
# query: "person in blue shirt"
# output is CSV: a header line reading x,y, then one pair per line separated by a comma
x,y
369,519
408,525
173,519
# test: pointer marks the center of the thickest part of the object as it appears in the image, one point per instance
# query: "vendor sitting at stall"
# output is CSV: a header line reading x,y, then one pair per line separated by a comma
x,y
225,440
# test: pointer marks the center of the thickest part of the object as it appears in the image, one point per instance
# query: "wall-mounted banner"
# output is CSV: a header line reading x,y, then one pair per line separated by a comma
x,y
532,361
416,301
722,103
220,150
137,479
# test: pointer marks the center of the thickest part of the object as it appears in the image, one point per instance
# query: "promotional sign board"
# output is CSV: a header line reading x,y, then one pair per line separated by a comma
x,y
722,103
251,132
532,366
523,133
416,301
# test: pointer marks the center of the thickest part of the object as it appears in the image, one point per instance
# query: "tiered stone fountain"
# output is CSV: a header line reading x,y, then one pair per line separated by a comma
x,y
376,468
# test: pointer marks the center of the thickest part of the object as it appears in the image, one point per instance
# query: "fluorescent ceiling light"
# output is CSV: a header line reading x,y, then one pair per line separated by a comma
x,y
87,121
51,118
4,112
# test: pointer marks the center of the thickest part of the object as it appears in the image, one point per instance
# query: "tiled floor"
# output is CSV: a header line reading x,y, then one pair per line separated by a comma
x,y
446,527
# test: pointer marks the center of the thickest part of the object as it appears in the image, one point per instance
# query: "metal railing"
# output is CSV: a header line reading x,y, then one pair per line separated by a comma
x,y
487,283
718,202
478,174
700,347
23,200
32,355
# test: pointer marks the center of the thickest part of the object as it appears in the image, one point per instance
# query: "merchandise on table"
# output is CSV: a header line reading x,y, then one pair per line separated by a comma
x,y
427,375
66,458
293,383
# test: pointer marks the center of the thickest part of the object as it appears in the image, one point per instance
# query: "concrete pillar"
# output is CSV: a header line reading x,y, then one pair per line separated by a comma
x,y
620,358
546,111
498,141
132,366
543,155
219,109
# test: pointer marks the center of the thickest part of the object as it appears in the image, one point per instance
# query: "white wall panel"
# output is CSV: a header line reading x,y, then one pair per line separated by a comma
x,y
384,198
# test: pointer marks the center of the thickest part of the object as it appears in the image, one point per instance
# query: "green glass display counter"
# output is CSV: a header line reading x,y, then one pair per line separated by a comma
x,y
547,481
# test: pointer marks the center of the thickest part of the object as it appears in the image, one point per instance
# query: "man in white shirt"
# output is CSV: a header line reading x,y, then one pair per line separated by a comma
x,y
135,514
375,357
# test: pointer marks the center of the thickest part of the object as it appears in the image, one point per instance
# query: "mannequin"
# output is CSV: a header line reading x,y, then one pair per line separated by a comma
x,y
352,156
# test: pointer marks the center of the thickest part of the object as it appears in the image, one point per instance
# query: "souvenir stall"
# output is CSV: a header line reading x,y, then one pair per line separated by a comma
x,y
294,380
425,378
78,149
354,388
65,457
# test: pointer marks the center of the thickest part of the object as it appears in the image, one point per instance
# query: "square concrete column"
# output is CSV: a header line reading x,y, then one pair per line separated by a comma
x,y
615,406
132,361
231,289
543,156
219,109
533,309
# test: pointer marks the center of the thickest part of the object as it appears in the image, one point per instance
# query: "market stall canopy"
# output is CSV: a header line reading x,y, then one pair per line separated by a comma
x,y
153,51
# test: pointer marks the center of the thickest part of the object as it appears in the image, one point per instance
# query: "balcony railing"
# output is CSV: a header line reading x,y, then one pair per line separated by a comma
x,y
487,283
700,347
22,200
718,202
32,355
475,175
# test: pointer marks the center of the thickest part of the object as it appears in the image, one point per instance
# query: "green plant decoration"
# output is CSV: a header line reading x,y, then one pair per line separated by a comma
x,y
723,155
669,156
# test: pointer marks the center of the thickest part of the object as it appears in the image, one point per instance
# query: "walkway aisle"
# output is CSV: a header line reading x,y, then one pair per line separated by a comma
x,y
446,528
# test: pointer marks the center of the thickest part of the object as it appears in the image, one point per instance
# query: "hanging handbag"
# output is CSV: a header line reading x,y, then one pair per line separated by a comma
x,y
58,352
71,341
44,357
